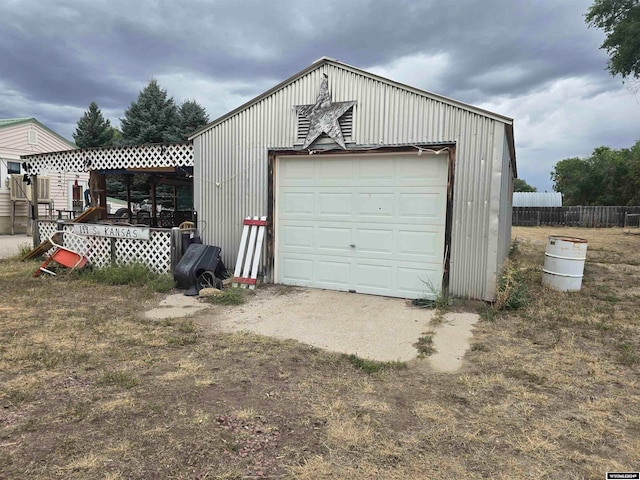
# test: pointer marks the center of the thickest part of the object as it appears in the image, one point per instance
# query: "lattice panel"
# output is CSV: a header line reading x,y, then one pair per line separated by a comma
x,y
155,253
96,249
112,158
46,228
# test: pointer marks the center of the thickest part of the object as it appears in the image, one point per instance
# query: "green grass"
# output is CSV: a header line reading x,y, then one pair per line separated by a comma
x,y
230,296
119,378
628,354
424,345
135,274
372,366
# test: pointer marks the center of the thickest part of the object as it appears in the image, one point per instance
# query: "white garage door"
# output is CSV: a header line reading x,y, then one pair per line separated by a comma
x,y
365,223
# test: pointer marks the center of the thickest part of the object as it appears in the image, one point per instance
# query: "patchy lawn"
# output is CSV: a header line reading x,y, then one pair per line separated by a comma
x,y
89,389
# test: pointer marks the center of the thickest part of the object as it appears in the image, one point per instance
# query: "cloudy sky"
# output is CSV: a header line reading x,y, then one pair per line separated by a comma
x,y
536,62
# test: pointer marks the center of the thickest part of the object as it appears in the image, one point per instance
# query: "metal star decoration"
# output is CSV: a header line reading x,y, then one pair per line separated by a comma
x,y
323,116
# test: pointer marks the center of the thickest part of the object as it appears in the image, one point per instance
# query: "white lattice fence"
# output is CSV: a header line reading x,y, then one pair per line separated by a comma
x,y
96,249
155,252
46,228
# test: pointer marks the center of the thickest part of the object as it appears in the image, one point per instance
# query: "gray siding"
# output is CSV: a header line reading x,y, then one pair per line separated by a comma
x,y
506,189
231,161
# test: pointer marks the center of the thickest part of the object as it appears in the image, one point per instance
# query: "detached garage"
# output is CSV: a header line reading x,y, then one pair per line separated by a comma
x,y
369,185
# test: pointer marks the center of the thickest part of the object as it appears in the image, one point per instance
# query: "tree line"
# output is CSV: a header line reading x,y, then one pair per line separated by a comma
x,y
153,118
606,177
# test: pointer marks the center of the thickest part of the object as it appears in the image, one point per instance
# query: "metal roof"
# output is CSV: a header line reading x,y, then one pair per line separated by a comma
x,y
4,122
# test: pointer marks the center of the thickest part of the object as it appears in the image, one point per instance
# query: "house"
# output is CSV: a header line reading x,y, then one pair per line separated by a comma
x,y
369,185
24,136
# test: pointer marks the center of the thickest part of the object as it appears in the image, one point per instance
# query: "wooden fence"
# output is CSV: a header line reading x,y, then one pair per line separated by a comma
x,y
589,217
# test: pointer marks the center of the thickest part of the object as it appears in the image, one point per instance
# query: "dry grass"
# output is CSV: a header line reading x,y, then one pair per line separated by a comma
x,y
89,389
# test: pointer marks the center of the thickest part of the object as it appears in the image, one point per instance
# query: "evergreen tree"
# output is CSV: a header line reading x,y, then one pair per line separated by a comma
x,y
153,118
191,117
93,130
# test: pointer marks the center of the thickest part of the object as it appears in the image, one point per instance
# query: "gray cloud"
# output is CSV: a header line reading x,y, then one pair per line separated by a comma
x,y
56,57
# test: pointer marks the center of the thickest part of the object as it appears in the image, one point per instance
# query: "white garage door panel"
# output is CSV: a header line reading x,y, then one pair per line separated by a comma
x,y
375,204
334,238
428,207
333,203
373,224
297,270
421,244
333,274
416,281
374,240
297,236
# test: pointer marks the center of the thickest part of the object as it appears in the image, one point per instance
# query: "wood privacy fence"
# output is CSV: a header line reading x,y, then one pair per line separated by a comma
x,y
589,217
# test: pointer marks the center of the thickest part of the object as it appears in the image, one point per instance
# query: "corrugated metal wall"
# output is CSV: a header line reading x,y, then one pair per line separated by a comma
x,y
537,199
506,189
231,161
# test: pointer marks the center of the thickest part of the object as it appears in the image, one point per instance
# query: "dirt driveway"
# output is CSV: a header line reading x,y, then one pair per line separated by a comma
x,y
369,326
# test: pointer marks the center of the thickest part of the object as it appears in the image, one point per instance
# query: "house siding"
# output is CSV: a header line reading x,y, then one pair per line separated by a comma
x,y
231,162
13,143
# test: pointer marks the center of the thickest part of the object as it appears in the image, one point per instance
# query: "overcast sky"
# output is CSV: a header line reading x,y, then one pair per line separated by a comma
x,y
536,62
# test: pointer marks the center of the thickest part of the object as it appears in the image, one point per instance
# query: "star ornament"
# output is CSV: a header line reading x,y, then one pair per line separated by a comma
x,y
324,115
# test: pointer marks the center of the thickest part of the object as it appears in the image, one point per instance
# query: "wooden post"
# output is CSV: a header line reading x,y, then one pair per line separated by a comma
x,y
102,184
175,198
34,211
94,186
13,217
128,181
154,213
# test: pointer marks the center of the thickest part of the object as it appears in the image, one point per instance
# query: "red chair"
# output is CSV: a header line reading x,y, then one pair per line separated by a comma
x,y
63,256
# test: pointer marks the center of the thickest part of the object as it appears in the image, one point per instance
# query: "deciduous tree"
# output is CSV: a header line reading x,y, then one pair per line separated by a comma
x,y
606,177
620,21
519,185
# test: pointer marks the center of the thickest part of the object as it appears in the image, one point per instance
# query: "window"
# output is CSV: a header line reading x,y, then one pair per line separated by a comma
x,y
13,167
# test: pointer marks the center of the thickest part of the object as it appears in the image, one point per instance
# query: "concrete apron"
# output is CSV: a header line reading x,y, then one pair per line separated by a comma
x,y
377,328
